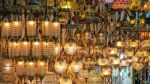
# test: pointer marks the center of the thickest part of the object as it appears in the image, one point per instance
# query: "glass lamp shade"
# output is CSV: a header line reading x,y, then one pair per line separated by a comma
x,y
7,67
137,66
139,54
25,48
31,68
6,29
120,44
31,28
57,48
60,66
115,61
14,49
36,49
46,32
112,51
20,68
103,62
106,71
129,53
41,67
55,29
16,28
70,48
47,48
133,44
65,81
76,66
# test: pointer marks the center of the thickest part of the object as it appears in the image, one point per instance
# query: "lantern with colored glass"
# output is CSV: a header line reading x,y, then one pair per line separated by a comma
x,y
76,66
55,30
65,4
112,51
103,62
6,28
16,27
31,26
106,71
8,66
115,62
31,70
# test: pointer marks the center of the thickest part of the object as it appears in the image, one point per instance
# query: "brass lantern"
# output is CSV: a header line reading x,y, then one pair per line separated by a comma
x,y
129,53
31,70
8,66
60,66
115,62
112,51
31,26
76,66
55,29
41,69
70,48
25,48
106,72
6,28
14,49
20,69
103,62
16,27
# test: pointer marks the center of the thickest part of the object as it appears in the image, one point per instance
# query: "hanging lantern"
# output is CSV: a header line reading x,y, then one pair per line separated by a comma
x,y
14,49
84,73
6,28
20,68
7,66
124,63
25,48
115,62
31,27
142,21
41,68
70,48
65,81
135,4
46,32
137,66
76,66
31,70
120,44
16,27
133,44
47,49
57,48
93,77
60,66
112,51
66,4
139,54
36,49
106,1
129,53
106,72
103,62
55,29
132,21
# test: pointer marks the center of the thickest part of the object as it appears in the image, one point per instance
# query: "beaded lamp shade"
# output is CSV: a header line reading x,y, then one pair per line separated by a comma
x,y
121,4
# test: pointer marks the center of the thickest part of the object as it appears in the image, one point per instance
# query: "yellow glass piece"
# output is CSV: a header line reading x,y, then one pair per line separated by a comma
x,y
135,4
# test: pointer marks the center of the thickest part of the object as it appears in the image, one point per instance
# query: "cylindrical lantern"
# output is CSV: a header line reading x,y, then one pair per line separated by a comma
x,y
14,49
16,27
25,48
31,69
47,49
60,66
36,49
6,29
41,67
55,29
20,68
31,27
70,48
46,25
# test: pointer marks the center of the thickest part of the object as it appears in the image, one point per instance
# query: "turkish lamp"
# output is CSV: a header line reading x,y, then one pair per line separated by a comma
x,y
31,70
60,66
133,44
115,62
41,69
129,53
139,54
6,28
57,48
14,49
25,48
120,44
36,49
106,72
20,69
16,27
137,66
55,29
8,66
66,4
76,66
132,21
31,26
66,80
142,21
103,62
112,51
70,48
47,49
84,73
124,63
46,25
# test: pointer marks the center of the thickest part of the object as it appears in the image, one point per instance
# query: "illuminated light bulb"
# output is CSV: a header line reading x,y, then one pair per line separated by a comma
x,y
76,66
60,67
70,48
65,81
31,22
